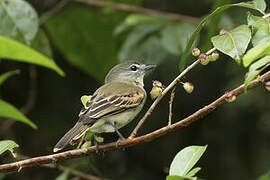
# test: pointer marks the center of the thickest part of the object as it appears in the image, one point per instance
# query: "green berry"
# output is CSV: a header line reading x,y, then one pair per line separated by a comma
x,y
204,59
214,56
155,92
196,52
230,97
86,144
188,87
157,84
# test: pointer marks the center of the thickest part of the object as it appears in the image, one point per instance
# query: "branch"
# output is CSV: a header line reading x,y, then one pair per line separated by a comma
x,y
173,83
130,8
131,141
170,106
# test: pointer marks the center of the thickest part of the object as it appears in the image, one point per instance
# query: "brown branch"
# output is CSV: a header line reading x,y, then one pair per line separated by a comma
x,y
170,106
130,8
173,83
131,141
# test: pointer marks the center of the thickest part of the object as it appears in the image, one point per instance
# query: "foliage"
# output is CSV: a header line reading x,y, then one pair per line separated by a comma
x,y
8,145
183,162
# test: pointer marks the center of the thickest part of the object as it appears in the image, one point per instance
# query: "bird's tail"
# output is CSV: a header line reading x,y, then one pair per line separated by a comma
x,y
73,134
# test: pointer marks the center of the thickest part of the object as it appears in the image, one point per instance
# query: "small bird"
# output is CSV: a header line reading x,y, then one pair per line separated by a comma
x,y
113,105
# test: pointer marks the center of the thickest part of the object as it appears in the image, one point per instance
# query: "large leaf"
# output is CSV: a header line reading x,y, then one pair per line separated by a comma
x,y
85,42
14,50
261,29
5,76
18,20
8,145
143,44
256,52
9,111
233,43
41,43
260,4
182,62
186,159
174,37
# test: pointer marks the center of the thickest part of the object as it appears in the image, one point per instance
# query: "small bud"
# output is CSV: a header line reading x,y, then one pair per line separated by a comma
x,y
86,144
230,97
196,52
246,75
223,31
157,84
155,92
188,87
267,85
204,59
214,56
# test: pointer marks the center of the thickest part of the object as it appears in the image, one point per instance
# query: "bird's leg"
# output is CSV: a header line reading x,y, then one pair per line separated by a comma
x,y
96,142
121,137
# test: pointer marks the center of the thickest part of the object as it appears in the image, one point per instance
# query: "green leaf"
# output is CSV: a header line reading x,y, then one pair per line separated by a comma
x,y
14,50
265,176
256,68
41,43
5,76
255,53
234,43
180,178
186,159
136,19
85,99
8,145
64,175
88,41
18,20
174,37
260,4
9,111
143,44
216,12
193,172
251,19
261,29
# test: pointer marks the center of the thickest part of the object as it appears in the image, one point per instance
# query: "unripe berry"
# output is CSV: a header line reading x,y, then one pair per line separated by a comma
x,y
86,144
157,84
214,56
230,97
267,85
204,59
223,31
155,92
188,87
196,52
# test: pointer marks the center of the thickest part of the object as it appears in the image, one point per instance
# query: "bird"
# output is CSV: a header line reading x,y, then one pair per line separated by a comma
x,y
113,105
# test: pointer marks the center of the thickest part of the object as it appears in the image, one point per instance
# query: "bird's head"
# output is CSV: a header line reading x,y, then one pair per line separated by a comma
x,y
128,72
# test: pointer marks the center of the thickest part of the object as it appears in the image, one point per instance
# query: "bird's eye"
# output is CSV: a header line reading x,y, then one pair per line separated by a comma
x,y
134,68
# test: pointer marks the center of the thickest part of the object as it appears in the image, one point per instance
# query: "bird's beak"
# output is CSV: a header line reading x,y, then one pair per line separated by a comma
x,y
149,66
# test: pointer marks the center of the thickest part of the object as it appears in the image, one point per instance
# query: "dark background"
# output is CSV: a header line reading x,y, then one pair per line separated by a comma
x,y
237,134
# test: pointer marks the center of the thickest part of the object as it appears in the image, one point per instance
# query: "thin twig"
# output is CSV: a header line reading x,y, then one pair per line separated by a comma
x,y
170,106
130,8
53,11
131,141
266,16
82,139
173,83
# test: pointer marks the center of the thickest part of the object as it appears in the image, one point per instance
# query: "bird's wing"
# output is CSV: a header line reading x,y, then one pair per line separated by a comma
x,y
106,102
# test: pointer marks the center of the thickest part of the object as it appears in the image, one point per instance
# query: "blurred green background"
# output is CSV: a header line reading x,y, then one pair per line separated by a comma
x,y
86,41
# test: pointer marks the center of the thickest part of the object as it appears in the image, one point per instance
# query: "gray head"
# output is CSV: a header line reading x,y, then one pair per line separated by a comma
x,y
128,72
